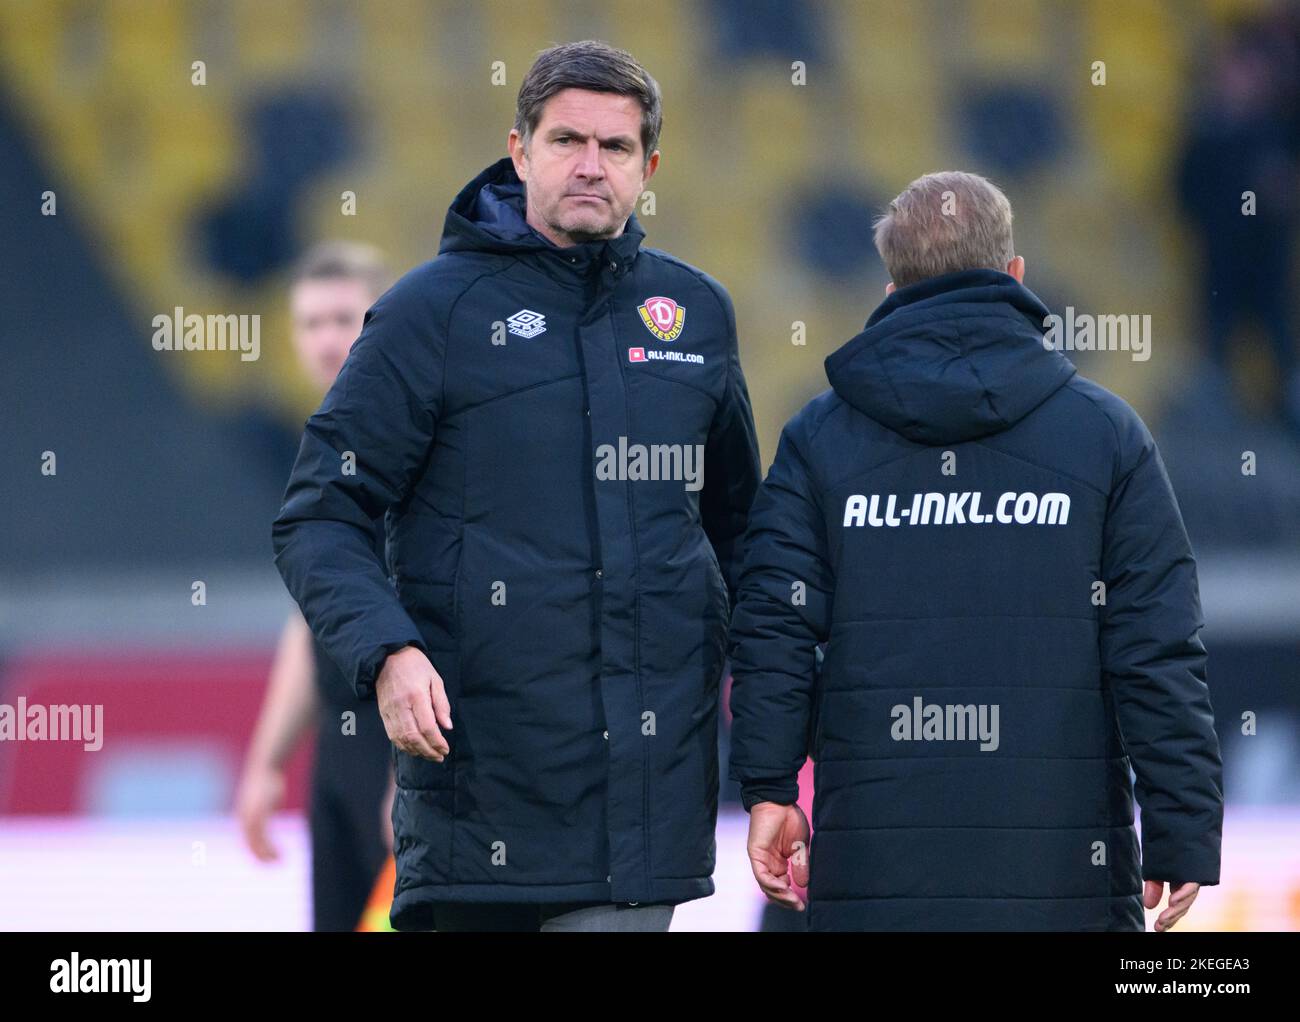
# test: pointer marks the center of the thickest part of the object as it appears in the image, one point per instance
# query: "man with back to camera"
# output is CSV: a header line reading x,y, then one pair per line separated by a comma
x,y
990,545
548,662
351,785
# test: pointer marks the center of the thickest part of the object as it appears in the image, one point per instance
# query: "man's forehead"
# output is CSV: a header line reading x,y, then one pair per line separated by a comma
x,y
605,113
315,293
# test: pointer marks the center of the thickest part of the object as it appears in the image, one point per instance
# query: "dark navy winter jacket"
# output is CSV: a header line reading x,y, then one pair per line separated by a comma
x,y
492,410
989,546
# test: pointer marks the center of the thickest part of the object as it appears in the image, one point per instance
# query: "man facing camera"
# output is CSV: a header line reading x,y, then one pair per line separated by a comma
x,y
989,545
553,422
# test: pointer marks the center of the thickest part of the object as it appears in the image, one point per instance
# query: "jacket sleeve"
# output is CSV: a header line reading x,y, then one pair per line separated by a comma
x,y
782,613
360,452
732,470
1154,663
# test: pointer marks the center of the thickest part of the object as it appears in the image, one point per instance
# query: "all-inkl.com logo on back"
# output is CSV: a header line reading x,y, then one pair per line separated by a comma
x,y
1010,508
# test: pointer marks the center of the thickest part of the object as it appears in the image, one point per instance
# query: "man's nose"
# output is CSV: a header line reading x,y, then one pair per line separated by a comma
x,y
589,165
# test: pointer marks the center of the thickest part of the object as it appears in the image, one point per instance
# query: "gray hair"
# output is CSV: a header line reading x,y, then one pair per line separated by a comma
x,y
345,260
943,223
597,67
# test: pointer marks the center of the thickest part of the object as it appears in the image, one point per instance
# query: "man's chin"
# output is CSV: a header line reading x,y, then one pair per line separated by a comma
x,y
580,229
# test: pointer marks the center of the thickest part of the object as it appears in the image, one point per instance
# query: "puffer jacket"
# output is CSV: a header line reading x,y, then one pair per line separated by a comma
x,y
530,421
989,546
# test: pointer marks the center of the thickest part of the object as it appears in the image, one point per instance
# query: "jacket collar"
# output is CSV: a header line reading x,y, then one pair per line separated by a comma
x,y
951,358
488,215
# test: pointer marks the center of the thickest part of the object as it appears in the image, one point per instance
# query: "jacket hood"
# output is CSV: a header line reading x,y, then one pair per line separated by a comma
x,y
951,358
489,216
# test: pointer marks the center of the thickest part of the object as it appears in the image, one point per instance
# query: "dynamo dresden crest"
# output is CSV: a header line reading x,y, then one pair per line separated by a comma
x,y
663,317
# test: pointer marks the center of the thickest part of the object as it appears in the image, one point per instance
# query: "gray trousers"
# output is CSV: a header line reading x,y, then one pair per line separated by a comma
x,y
467,917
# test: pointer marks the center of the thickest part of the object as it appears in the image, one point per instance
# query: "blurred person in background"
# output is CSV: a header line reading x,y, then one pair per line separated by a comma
x,y
1012,618
1245,137
568,611
351,788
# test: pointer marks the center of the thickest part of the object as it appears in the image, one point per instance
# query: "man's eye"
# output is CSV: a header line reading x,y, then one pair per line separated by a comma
x,y
617,145
564,138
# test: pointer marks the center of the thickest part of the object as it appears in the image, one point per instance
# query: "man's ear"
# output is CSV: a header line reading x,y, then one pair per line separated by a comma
x,y
515,147
1017,268
889,289
651,165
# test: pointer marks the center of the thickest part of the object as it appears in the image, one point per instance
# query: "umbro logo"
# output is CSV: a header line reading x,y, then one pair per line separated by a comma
x,y
526,323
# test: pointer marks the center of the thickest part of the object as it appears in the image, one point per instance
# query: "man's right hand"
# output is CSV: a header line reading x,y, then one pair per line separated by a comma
x,y
778,851
413,704
1181,897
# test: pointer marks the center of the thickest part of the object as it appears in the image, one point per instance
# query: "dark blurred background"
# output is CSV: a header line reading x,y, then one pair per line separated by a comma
x,y
1128,178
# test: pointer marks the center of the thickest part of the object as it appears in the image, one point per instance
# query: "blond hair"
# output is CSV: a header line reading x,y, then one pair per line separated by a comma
x,y
345,260
942,223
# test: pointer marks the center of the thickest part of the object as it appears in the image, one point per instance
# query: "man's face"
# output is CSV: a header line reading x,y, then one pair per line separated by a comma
x,y
584,167
327,316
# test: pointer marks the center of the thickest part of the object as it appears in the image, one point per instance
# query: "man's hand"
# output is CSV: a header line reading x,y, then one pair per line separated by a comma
x,y
1180,900
778,844
413,703
261,790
